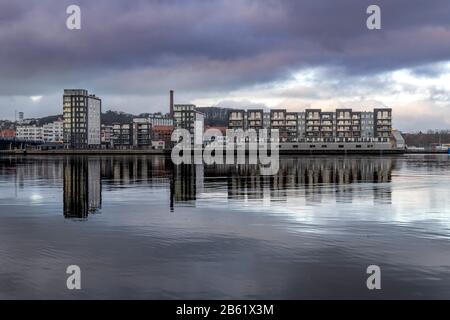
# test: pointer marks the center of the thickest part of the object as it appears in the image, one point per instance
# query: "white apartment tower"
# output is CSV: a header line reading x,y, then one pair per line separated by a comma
x,y
82,113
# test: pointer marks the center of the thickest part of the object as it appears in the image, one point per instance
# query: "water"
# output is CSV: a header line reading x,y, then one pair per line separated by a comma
x,y
140,228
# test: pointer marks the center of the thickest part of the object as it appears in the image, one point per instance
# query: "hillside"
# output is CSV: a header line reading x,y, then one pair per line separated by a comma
x,y
215,116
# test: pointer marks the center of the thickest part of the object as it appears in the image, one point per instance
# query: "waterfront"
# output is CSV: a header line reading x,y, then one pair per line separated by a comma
x,y
140,228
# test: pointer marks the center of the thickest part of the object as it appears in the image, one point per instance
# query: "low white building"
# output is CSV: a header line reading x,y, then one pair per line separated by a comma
x,y
30,133
367,126
50,132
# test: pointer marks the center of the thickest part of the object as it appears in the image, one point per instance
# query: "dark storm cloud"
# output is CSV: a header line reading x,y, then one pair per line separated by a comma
x,y
147,47
265,39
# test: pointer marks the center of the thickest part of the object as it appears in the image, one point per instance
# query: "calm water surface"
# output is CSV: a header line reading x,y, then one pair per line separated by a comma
x,y
140,228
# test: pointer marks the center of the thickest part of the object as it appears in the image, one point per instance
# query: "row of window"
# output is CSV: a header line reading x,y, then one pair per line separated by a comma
x,y
313,146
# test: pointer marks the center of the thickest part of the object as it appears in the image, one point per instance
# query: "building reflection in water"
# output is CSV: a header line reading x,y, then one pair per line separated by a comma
x,y
82,187
316,179
186,182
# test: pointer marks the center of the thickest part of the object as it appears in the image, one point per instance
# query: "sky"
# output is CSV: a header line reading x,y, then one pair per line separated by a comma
x,y
291,54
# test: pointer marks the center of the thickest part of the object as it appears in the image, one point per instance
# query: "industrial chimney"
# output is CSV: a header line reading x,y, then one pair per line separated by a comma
x,y
171,103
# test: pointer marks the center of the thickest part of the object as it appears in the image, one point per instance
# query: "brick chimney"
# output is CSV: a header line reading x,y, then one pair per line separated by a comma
x,y
171,103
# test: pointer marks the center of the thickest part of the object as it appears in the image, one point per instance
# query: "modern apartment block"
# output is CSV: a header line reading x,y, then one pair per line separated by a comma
x,y
367,129
301,125
122,135
53,131
137,134
266,120
82,113
255,119
327,125
312,123
356,124
291,126
106,134
237,119
382,123
187,117
343,125
278,122
287,124
142,133
349,125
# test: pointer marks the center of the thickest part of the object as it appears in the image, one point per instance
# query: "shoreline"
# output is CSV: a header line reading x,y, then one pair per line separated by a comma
x,y
168,152
84,152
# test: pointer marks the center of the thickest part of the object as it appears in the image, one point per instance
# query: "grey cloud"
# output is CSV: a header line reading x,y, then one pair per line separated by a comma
x,y
144,48
241,104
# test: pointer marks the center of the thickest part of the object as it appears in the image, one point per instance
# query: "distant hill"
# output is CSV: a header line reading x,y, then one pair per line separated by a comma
x,y
48,119
215,116
6,124
110,117
426,139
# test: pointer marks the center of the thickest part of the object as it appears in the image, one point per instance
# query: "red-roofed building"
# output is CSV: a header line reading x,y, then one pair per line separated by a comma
x,y
162,133
7,133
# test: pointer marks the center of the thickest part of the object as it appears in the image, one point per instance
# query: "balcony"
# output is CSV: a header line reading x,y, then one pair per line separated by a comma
x,y
236,123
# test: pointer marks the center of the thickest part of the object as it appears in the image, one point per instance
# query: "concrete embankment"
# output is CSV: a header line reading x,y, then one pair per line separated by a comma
x,y
167,152
84,152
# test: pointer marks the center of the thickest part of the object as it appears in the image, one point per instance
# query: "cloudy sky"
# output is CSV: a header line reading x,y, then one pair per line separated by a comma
x,y
239,53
